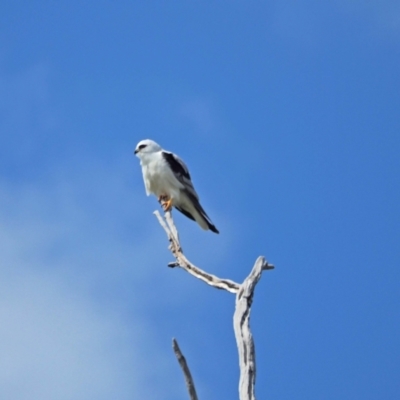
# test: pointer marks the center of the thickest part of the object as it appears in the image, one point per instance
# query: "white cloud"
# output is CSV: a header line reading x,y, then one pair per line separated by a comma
x,y
77,266
56,345
61,242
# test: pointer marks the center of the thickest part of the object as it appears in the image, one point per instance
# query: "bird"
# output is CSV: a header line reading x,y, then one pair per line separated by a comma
x,y
167,177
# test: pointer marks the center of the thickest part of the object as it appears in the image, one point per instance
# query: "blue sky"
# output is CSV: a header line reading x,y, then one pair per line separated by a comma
x,y
287,114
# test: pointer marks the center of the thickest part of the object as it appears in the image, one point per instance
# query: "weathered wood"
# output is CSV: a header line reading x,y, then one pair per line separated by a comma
x,y
244,337
184,263
185,369
244,298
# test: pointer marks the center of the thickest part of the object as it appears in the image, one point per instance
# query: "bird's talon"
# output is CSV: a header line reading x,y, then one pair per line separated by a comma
x,y
167,205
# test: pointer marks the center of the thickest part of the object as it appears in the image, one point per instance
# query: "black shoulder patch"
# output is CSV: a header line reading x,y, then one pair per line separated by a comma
x,y
175,165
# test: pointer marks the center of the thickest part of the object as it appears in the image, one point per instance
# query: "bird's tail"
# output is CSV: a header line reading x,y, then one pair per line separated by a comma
x,y
201,216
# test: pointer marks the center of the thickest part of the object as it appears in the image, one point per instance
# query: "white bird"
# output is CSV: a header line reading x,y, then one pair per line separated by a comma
x,y
167,177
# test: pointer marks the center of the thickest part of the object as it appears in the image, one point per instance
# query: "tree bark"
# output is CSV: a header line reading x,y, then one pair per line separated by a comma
x,y
185,369
244,298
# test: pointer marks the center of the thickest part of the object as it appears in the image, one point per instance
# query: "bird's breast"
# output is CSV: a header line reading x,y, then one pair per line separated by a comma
x,y
160,180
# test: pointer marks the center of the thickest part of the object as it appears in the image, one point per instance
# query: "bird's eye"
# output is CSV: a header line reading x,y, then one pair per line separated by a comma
x,y
142,146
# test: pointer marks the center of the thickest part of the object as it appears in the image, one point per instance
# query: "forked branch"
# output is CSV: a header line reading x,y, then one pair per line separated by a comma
x,y
244,298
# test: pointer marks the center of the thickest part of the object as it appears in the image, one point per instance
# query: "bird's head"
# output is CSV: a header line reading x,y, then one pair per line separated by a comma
x,y
146,146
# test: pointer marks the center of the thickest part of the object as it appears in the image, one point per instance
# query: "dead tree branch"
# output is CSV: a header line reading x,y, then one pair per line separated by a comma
x,y
185,369
244,298
241,325
183,262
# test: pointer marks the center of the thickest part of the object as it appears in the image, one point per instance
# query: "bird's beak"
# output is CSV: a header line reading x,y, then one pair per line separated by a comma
x,y
136,151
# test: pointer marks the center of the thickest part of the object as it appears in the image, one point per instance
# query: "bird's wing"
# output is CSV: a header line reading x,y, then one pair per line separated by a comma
x,y
180,171
146,178
189,204
185,212
146,185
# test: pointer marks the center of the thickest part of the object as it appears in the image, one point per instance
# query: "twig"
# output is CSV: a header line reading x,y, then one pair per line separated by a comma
x,y
185,369
183,262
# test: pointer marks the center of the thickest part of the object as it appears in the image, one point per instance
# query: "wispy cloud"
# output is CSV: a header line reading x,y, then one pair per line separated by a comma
x,y
78,292
55,344
59,337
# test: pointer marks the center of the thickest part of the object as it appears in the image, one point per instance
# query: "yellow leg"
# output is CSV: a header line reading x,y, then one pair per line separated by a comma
x,y
167,205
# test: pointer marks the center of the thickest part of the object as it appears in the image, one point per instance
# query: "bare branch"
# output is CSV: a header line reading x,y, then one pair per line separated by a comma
x,y
241,324
183,262
171,224
185,369
244,299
